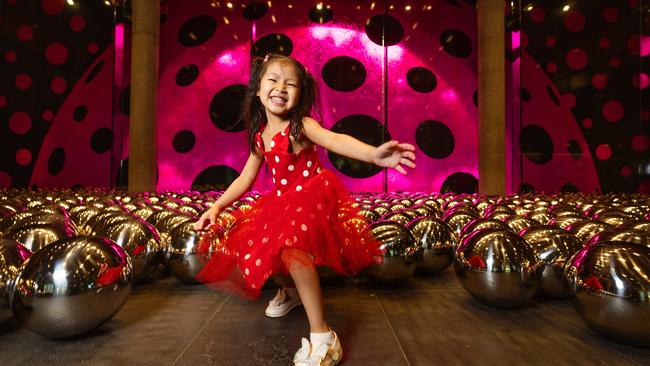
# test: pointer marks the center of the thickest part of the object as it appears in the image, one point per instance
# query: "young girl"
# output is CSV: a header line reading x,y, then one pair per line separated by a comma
x,y
308,219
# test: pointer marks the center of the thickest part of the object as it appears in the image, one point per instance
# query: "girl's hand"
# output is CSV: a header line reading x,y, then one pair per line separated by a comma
x,y
393,155
209,217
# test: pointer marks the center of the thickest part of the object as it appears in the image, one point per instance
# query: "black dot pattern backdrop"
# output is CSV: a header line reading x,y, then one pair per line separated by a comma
x,y
45,48
594,55
385,70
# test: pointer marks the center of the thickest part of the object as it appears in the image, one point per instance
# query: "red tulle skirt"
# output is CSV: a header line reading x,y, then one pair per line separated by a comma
x,y
321,221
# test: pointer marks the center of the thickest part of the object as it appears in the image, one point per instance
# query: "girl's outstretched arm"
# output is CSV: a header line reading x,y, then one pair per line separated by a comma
x,y
235,190
392,154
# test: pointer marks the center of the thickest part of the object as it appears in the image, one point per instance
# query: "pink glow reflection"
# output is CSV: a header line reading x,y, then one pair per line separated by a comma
x,y
227,59
343,37
516,40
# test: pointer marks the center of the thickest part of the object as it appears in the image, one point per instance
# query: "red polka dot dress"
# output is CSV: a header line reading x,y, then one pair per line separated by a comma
x,y
308,209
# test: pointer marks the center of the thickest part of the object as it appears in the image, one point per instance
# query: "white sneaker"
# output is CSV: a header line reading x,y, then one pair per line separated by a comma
x,y
285,300
325,354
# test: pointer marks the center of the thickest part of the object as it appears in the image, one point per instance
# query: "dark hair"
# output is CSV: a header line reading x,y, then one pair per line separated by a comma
x,y
253,112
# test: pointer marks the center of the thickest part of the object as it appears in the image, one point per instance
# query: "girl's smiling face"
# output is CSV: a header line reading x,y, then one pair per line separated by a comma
x,y
279,89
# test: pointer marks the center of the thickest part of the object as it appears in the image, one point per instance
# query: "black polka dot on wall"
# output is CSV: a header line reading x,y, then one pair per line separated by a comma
x,y
225,108
197,30
384,30
125,101
186,75
536,144
526,188
184,141
322,15
80,113
552,95
56,161
525,95
435,139
574,149
366,129
217,176
254,11
344,73
102,140
569,188
421,79
273,43
456,43
93,73
460,182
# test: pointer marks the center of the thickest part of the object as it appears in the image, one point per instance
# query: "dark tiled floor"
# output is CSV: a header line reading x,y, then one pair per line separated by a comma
x,y
430,321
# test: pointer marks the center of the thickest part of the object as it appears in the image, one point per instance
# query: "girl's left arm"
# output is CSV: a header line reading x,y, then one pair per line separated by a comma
x,y
391,154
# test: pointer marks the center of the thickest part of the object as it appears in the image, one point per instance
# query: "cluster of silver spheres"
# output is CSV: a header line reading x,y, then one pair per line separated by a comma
x,y
68,259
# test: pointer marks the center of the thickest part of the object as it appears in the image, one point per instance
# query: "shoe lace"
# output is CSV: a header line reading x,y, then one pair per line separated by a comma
x,y
302,355
318,355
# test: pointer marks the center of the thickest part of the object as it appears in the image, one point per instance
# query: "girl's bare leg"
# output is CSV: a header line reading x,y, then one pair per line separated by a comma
x,y
304,275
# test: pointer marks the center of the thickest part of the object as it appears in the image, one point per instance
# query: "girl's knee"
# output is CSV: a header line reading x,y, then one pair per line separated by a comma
x,y
292,257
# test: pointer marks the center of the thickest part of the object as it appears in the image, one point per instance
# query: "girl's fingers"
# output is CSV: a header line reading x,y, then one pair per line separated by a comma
x,y
407,162
400,169
408,155
407,147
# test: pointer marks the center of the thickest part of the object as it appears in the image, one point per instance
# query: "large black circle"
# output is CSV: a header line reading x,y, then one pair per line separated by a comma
x,y
421,79
96,69
435,139
125,101
80,113
197,30
344,73
552,95
273,43
384,30
536,144
569,188
320,16
184,141
102,140
254,11
187,74
56,161
526,188
217,176
460,182
366,129
456,43
574,149
225,108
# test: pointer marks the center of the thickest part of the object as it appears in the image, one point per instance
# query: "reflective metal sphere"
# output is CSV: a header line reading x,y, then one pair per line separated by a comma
x,y
566,220
438,242
610,283
12,256
35,237
553,246
625,235
140,240
457,218
498,268
399,216
482,223
399,251
518,223
71,286
585,230
182,255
